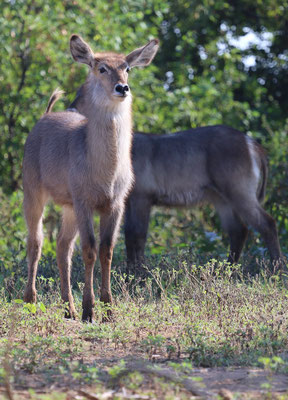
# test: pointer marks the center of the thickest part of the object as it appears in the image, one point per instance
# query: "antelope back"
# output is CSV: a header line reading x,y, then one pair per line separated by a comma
x,y
189,167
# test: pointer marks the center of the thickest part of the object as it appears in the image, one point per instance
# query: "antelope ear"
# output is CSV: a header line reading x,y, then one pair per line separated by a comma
x,y
144,55
81,51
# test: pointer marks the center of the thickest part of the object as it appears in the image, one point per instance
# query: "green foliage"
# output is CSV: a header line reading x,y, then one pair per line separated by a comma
x,y
12,229
199,76
183,308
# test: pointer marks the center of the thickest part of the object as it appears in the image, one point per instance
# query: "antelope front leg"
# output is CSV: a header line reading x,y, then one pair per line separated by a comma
x,y
33,209
88,302
34,245
109,227
87,237
65,245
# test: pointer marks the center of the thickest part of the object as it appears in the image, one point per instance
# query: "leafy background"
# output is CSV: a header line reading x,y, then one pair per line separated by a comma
x,y
203,74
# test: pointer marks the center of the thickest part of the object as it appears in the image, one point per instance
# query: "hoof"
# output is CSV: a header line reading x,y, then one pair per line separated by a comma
x,y
88,315
70,313
106,298
30,296
107,316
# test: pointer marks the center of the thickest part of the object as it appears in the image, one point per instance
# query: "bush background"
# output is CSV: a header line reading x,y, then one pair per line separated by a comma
x,y
203,74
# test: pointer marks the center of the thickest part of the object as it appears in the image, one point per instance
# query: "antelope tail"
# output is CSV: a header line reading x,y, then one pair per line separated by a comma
x,y
264,169
54,97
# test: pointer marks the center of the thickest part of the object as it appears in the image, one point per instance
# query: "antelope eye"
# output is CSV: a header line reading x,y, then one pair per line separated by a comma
x,y
127,69
102,70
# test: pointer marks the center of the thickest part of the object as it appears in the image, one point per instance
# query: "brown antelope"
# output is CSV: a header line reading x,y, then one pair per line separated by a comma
x,y
85,166
214,164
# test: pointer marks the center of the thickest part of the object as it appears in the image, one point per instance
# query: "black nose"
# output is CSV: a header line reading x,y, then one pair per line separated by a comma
x,y
122,88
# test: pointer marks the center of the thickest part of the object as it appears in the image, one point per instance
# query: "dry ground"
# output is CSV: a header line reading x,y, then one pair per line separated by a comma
x,y
128,372
195,332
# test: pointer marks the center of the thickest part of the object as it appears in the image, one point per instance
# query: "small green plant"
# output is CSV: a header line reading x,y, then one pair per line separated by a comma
x,y
117,370
152,344
132,381
272,365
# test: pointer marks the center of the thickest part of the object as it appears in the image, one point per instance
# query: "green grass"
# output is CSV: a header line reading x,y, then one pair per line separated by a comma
x,y
178,316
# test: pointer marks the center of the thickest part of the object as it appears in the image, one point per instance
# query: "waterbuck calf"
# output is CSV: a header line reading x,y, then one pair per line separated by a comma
x,y
214,164
85,166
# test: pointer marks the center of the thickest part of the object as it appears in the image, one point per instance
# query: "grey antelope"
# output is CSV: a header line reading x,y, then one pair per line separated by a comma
x,y
214,164
85,166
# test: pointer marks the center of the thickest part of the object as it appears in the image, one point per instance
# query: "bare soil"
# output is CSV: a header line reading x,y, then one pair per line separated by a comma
x,y
160,379
225,383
